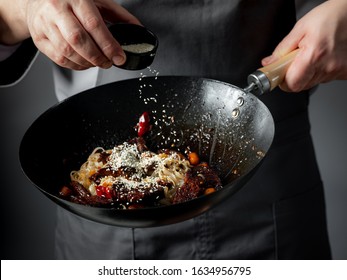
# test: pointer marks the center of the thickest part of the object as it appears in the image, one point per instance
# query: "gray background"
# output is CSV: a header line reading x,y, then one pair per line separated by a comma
x,y
28,218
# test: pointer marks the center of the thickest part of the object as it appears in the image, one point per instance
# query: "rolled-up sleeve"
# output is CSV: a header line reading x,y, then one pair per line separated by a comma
x,y
15,61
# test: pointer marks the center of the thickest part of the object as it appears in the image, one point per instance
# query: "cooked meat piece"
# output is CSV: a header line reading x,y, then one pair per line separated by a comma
x,y
143,194
196,181
79,190
103,172
94,200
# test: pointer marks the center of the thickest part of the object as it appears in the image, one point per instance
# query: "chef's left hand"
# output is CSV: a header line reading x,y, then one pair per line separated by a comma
x,y
321,36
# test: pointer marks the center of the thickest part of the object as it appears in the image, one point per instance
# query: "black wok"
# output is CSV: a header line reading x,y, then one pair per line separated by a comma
x,y
229,127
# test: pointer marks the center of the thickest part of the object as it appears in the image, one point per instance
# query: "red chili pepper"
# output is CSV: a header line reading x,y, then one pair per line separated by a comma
x,y
144,124
103,191
99,190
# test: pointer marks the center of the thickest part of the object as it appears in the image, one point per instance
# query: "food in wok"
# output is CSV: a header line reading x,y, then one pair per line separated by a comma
x,y
130,176
229,129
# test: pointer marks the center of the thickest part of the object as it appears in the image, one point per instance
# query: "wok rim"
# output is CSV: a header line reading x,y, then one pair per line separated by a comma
x,y
66,204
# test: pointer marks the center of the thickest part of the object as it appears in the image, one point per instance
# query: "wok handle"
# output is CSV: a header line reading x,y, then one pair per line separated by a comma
x,y
267,78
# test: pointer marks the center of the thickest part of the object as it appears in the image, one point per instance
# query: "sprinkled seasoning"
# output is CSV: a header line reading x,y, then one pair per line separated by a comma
x,y
138,48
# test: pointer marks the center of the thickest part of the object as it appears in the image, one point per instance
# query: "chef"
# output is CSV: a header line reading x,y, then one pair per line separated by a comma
x,y
280,213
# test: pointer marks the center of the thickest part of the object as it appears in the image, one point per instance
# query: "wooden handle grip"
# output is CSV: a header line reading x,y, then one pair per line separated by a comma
x,y
276,71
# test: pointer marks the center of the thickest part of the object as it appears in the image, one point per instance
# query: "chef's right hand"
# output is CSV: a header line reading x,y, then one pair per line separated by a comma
x,y
321,37
72,33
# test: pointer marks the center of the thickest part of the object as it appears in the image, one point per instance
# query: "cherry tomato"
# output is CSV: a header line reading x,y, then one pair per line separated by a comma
x,y
103,191
193,158
143,125
65,191
209,190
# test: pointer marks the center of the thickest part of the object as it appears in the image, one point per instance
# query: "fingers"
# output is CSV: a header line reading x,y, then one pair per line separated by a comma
x,y
303,73
299,74
73,33
61,52
103,47
81,41
299,71
312,66
48,39
46,48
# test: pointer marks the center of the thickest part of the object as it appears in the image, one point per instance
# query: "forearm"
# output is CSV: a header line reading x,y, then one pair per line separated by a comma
x,y
13,26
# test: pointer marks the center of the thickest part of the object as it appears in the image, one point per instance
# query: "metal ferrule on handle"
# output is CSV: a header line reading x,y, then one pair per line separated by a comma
x,y
267,78
260,83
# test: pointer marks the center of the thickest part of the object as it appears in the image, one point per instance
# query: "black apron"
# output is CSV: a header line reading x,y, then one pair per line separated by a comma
x,y
280,213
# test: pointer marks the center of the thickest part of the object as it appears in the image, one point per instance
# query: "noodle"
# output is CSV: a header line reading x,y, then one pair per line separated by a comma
x,y
131,175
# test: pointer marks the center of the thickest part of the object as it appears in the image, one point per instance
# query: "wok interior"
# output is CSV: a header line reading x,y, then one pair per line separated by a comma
x,y
228,128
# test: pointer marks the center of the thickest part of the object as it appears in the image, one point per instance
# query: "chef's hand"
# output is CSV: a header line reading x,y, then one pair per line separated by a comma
x,y
321,36
72,33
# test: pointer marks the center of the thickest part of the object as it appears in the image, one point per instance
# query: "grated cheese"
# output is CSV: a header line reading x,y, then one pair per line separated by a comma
x,y
138,48
167,167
